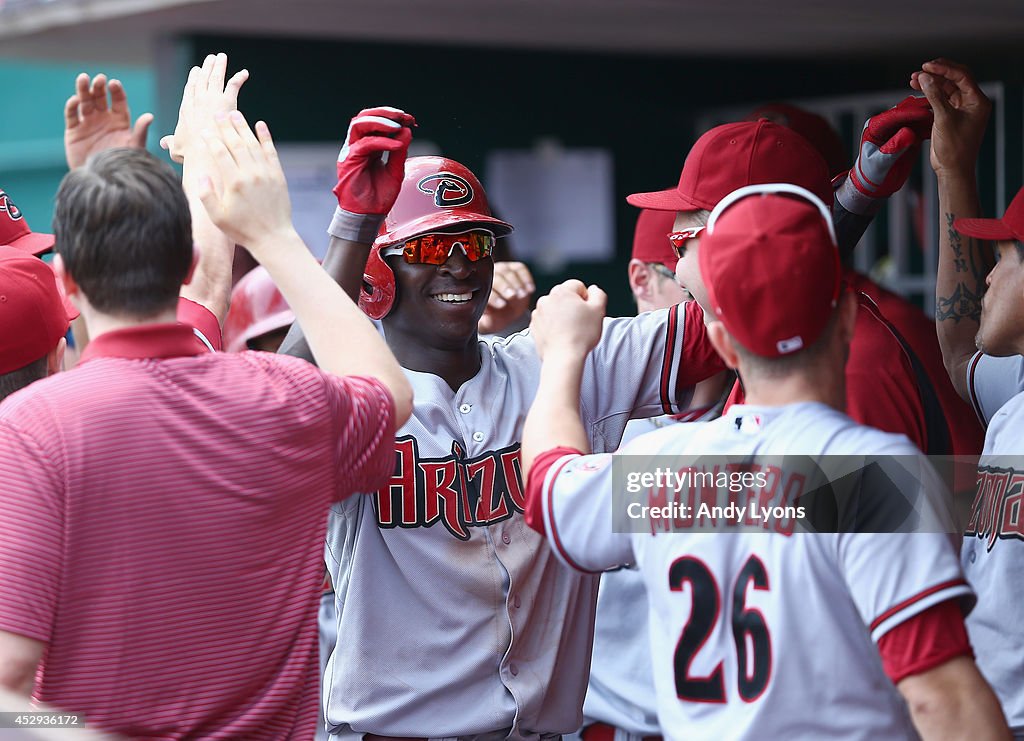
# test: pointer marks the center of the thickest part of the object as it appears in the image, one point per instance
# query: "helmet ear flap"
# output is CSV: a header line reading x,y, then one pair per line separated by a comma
x,y
377,294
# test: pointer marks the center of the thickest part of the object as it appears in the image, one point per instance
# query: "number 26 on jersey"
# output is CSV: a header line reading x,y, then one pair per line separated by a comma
x,y
750,634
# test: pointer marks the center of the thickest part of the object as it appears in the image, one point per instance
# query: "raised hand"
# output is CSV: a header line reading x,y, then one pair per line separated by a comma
x,y
205,95
368,182
243,187
511,292
92,123
961,114
569,319
889,145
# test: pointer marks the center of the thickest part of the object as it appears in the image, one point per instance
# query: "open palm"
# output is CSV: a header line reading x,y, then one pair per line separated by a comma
x,y
92,124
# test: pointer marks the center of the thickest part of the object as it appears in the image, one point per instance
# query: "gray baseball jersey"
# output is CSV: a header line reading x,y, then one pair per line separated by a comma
x,y
761,634
454,617
621,688
993,549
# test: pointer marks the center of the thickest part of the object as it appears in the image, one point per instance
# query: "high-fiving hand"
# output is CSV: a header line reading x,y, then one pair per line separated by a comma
x,y
243,187
889,146
569,319
205,95
961,114
92,124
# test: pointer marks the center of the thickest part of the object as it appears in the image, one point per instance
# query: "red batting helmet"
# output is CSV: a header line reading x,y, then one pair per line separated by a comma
x,y
437,195
257,308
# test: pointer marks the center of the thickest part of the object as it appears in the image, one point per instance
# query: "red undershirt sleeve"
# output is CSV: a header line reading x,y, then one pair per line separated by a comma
x,y
534,511
925,641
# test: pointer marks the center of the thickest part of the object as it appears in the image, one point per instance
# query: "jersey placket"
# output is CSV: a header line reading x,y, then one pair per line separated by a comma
x,y
474,420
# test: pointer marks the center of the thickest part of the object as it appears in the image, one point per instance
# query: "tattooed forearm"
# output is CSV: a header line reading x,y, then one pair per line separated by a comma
x,y
959,263
969,260
963,303
979,265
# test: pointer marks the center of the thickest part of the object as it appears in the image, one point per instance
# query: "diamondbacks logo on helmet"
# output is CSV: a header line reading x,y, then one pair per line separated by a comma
x,y
449,190
6,204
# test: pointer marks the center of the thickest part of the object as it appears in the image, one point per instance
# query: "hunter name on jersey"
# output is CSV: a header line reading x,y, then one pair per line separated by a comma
x,y
460,492
998,508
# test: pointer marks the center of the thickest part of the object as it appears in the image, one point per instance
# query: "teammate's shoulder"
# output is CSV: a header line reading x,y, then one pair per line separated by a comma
x,y
846,435
516,345
638,322
44,393
266,360
858,439
284,371
876,332
672,436
812,427
1012,409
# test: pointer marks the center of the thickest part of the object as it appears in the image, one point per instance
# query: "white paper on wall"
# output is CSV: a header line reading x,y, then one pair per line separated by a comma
x,y
560,201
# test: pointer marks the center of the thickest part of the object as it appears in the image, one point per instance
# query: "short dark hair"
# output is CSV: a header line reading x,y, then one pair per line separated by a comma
x,y
18,379
124,231
1020,249
784,365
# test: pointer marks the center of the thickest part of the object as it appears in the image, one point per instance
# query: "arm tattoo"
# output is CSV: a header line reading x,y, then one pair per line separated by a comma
x,y
955,243
965,301
961,304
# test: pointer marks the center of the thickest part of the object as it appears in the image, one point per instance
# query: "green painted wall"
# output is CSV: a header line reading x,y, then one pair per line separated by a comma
x,y
32,127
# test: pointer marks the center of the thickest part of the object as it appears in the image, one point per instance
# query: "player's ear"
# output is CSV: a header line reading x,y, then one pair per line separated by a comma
x,y
66,281
639,279
196,252
721,340
55,358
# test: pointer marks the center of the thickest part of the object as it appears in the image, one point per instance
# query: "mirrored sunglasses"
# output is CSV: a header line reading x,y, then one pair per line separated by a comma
x,y
435,249
679,239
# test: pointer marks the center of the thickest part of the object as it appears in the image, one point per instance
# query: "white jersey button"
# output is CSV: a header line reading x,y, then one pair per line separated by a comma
x,y
466,408
514,669
506,539
478,437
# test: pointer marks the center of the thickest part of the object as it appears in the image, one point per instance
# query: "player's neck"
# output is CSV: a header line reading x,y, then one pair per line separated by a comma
x,y
794,389
455,365
97,322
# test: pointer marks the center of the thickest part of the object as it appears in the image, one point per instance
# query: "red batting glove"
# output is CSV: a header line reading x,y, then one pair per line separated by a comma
x,y
889,146
367,184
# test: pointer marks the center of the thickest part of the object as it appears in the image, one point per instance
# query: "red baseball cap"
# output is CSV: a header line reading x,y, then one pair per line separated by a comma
x,y
650,238
771,267
34,313
14,230
734,155
1011,226
812,127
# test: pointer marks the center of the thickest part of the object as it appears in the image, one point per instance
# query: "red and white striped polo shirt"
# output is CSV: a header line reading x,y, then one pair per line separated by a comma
x,y
162,516
204,325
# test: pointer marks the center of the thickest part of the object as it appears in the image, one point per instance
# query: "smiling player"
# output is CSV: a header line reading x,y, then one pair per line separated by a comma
x,y
454,617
